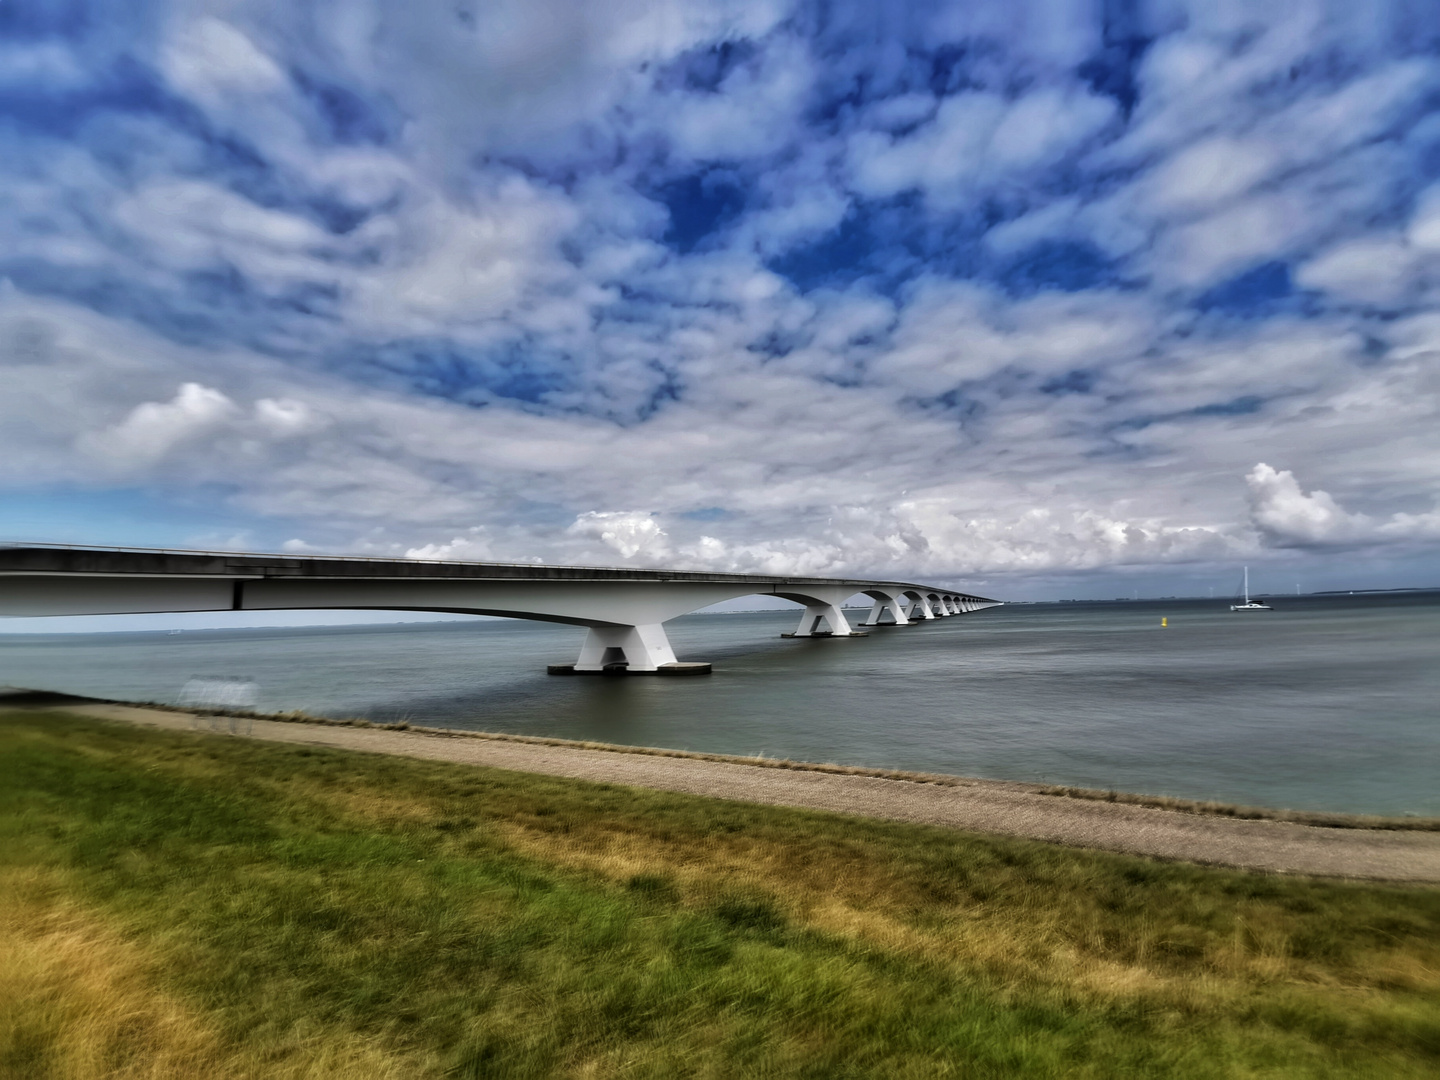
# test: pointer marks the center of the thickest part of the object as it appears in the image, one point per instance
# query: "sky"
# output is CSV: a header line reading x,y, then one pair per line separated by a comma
x,y
1038,300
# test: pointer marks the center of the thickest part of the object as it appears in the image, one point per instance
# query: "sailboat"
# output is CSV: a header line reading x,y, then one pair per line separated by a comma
x,y
1250,605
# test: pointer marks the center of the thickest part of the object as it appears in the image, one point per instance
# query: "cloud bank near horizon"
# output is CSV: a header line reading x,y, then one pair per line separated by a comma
x,y
986,289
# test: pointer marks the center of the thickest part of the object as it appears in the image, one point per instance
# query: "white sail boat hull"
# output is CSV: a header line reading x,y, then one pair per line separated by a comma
x,y
1250,605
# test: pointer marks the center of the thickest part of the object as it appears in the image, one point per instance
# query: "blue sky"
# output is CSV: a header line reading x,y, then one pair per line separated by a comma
x,y
1041,299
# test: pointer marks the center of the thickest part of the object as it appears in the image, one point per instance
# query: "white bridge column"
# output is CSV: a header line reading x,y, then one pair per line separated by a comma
x,y
920,609
640,648
896,604
829,613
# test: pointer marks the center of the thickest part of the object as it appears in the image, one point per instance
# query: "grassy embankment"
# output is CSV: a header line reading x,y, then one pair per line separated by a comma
x,y
179,904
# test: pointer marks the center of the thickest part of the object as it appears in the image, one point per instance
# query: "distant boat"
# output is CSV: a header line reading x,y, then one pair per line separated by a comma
x,y
1250,605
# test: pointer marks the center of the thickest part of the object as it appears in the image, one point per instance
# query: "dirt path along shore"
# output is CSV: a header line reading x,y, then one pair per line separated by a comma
x,y
973,805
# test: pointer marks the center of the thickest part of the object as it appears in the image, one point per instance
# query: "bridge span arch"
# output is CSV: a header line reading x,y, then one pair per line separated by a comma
x,y
624,610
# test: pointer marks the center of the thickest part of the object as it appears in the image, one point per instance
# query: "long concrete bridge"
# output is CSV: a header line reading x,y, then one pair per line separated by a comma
x,y
625,610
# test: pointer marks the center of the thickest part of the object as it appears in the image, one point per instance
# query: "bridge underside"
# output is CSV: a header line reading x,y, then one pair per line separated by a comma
x,y
625,610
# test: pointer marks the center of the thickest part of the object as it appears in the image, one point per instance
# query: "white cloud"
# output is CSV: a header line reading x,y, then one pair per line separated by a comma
x,y
1374,270
975,139
201,430
473,546
1056,220
1247,151
1256,230
191,225
754,111
630,534
209,59
1287,515
497,78
284,416
153,429
1390,269
1424,231
450,263
1210,172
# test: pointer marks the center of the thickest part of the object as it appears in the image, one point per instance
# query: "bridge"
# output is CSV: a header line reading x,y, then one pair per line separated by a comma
x,y
625,610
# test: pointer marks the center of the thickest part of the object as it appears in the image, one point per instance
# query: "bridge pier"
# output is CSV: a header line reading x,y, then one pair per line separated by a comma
x,y
829,614
639,648
894,603
628,650
920,610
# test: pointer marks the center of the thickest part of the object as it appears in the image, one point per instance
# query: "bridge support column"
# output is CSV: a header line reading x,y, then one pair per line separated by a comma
x,y
830,614
897,610
637,648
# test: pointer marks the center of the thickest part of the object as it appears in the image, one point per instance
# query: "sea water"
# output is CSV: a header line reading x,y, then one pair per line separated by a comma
x,y
1326,703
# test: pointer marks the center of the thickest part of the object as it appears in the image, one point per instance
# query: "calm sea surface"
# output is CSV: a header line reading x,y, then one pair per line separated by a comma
x,y
1324,703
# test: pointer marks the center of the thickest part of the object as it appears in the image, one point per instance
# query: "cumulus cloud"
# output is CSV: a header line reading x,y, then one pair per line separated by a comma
x,y
628,533
1289,516
155,428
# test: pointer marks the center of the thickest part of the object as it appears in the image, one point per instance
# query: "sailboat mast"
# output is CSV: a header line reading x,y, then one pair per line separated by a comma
x,y
1247,584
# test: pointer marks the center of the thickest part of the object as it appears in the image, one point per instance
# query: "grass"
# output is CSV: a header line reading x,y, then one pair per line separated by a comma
x,y
177,904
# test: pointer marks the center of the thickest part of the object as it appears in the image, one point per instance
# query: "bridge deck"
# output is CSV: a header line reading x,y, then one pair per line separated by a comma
x,y
624,608
56,559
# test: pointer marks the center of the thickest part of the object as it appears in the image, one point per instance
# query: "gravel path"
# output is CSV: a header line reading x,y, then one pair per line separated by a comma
x,y
973,805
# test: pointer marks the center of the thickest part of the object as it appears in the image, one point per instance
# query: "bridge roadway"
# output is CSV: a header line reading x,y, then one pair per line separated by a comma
x,y
624,609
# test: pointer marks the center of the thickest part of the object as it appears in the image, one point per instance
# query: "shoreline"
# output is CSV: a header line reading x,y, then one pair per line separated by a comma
x,y
1002,808
1325,819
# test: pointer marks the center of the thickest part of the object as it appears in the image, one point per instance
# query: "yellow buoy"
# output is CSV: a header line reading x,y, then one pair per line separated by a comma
x,y
1164,621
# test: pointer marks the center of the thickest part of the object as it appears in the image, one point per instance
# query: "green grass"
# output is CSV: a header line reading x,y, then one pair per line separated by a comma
x,y
184,904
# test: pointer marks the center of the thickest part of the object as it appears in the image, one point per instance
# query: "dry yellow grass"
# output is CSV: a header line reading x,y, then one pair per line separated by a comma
x,y
80,1002
76,1001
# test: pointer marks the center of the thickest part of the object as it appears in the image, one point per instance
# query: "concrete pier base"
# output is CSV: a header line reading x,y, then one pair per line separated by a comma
x,y
677,668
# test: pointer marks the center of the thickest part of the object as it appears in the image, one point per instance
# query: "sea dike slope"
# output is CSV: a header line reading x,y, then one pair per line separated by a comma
x,y
246,905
